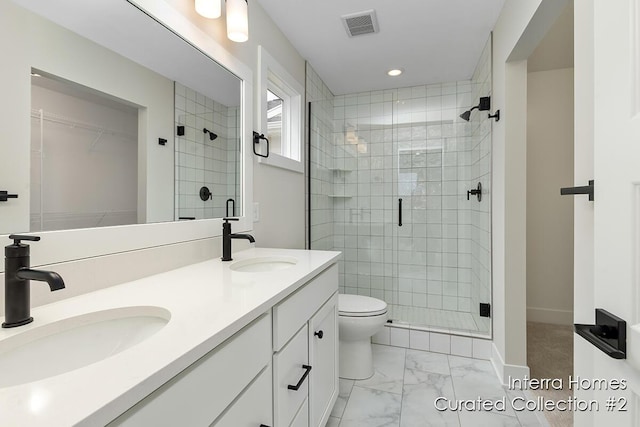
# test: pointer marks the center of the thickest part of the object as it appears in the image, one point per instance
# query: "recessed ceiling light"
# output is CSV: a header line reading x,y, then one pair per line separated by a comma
x,y
395,72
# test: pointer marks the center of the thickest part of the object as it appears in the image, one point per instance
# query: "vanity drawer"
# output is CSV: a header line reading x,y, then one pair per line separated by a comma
x,y
302,417
253,407
200,393
294,311
288,369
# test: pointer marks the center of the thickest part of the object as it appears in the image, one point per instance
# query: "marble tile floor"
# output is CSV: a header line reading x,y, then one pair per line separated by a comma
x,y
405,384
433,317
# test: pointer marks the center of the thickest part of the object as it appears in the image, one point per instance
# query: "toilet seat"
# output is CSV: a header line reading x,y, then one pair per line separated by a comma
x,y
360,306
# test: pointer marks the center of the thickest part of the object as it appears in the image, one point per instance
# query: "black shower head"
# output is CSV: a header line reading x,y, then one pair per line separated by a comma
x,y
212,135
484,105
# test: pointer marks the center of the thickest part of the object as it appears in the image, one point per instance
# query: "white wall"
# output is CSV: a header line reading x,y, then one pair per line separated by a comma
x,y
584,295
279,192
549,215
520,27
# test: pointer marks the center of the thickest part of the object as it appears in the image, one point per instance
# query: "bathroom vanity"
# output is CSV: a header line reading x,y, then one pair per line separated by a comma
x,y
244,343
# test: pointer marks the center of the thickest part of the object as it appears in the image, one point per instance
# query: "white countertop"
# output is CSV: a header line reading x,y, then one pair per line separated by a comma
x,y
208,303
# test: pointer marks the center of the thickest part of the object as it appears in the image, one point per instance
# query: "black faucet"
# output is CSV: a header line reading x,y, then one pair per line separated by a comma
x,y
227,236
17,274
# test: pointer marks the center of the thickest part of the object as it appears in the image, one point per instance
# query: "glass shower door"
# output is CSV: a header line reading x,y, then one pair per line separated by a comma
x,y
433,275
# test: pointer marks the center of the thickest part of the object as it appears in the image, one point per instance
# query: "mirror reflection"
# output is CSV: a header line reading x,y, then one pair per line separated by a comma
x,y
84,157
126,127
207,156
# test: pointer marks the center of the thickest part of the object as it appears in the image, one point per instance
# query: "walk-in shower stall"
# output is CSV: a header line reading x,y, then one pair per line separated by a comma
x,y
394,180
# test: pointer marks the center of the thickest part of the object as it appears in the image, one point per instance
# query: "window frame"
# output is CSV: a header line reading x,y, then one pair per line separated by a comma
x,y
275,78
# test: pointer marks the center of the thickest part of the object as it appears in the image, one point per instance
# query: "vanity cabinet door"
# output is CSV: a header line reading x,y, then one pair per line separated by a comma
x,y
253,407
323,356
200,394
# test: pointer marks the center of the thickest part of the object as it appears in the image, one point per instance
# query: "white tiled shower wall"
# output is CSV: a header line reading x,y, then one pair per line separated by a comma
x,y
370,149
202,162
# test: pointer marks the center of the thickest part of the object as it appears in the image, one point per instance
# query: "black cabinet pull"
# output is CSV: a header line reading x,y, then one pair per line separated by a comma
x,y
586,189
263,425
399,212
296,387
256,141
5,196
318,334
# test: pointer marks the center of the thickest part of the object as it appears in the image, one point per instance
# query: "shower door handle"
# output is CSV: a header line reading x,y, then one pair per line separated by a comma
x,y
399,212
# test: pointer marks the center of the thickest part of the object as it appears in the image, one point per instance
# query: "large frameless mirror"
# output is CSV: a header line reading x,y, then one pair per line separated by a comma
x,y
117,121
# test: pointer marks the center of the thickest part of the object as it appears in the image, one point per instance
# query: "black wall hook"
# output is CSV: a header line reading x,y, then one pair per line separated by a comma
x,y
496,116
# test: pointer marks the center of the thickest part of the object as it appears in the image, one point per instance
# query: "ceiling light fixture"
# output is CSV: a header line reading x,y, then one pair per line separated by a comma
x,y
237,20
237,16
395,72
211,9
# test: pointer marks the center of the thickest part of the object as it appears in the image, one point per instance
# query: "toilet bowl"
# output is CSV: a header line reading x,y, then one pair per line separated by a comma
x,y
359,318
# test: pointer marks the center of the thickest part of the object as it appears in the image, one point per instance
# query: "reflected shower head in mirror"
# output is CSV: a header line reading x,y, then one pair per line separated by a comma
x,y
212,135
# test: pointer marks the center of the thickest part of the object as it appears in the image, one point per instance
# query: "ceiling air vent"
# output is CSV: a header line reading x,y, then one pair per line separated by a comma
x,y
360,23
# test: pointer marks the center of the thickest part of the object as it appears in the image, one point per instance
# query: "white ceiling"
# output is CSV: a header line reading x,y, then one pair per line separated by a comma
x,y
432,40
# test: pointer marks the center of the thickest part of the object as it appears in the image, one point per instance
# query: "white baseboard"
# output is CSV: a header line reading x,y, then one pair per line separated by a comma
x,y
506,371
549,315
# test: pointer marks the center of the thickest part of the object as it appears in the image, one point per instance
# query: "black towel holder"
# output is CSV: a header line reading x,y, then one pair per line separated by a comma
x,y
256,141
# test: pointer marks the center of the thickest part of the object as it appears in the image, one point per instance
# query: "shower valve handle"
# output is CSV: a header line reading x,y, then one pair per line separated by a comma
x,y
476,192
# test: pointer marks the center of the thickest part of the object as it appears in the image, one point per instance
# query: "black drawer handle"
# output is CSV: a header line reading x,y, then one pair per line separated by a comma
x,y
318,334
263,425
296,387
399,212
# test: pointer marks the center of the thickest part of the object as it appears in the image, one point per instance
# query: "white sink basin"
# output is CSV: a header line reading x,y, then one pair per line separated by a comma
x,y
264,264
73,343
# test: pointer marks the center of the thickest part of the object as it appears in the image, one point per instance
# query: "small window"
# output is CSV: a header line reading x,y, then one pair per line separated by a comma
x,y
274,122
280,115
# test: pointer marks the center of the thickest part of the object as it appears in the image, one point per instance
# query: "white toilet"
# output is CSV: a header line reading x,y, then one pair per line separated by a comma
x,y
359,318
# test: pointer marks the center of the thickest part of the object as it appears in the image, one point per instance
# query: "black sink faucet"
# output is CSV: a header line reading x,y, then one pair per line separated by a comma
x,y
17,274
227,236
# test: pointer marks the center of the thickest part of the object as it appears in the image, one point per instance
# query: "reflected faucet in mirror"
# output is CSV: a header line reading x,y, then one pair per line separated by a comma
x,y
17,277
